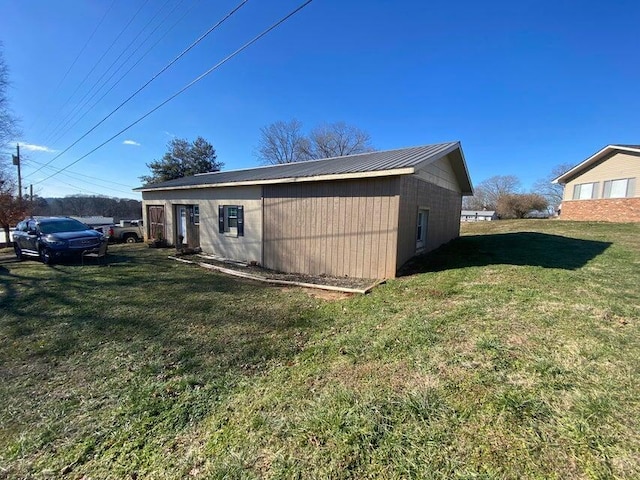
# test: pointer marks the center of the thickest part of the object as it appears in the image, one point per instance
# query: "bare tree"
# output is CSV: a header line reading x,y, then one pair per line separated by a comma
x,y
12,208
283,142
512,205
473,202
552,191
488,192
338,139
8,121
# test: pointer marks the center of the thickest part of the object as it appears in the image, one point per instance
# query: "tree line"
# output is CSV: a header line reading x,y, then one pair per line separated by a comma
x,y
504,195
87,206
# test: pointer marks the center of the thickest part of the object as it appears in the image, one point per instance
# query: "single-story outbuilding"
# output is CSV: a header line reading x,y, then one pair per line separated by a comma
x,y
603,187
478,215
360,215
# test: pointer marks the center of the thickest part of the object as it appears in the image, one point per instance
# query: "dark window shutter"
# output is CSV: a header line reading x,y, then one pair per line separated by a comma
x,y
221,218
240,221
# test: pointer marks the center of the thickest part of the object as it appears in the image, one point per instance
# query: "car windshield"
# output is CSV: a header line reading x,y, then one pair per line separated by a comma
x,y
67,225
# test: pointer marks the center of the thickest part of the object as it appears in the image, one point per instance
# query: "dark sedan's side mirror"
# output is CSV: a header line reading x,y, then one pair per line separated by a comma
x,y
32,231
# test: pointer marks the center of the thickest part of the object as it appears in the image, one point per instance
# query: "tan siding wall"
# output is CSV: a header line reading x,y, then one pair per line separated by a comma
x,y
444,216
440,173
335,228
247,248
618,166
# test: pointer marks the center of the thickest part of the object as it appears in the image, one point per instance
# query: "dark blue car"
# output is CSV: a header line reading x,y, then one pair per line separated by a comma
x,y
51,238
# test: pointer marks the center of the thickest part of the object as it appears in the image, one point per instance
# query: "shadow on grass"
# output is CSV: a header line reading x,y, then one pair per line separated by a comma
x,y
165,308
524,248
156,344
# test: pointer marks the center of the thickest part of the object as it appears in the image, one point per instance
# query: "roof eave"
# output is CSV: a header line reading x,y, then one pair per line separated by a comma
x,y
591,160
315,178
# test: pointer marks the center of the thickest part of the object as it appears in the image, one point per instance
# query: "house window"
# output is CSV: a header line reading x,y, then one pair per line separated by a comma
x,y
421,229
622,188
231,220
231,216
585,191
196,215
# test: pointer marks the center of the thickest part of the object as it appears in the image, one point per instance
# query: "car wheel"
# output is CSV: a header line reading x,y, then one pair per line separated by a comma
x,y
18,251
131,239
45,256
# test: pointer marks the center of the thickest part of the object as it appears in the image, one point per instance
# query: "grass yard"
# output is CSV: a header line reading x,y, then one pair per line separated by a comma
x,y
513,352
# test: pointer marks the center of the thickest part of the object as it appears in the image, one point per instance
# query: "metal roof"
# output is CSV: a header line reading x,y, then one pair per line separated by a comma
x,y
391,162
600,154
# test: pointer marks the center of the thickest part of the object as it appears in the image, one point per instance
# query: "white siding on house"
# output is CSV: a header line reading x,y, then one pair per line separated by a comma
x,y
618,166
246,248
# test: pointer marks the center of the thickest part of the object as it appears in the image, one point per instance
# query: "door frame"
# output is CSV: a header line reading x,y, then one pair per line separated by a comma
x,y
189,229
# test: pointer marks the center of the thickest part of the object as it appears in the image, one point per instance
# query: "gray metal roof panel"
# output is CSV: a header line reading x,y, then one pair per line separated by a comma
x,y
351,164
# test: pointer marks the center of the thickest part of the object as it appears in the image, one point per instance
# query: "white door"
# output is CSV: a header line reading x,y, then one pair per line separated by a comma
x,y
182,224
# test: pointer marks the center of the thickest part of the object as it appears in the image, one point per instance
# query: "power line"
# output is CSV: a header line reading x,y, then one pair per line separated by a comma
x,y
70,174
80,189
97,63
186,87
81,103
76,187
166,67
64,77
166,32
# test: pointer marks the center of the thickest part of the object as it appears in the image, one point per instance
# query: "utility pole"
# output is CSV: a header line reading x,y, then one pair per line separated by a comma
x,y
16,161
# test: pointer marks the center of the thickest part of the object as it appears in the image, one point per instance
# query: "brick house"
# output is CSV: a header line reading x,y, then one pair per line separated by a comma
x,y
604,186
360,215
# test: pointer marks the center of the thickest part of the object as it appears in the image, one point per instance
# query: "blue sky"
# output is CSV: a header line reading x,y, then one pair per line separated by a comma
x,y
525,86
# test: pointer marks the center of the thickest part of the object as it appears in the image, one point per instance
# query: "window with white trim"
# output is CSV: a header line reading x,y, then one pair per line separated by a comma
x,y
621,188
421,229
585,191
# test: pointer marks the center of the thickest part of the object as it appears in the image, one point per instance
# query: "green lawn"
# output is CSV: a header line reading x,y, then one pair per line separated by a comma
x,y
513,352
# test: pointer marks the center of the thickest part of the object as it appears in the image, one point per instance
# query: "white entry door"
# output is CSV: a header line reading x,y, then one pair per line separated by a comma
x,y
182,224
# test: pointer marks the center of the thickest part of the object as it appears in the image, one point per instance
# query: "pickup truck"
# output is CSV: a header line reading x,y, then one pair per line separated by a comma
x,y
130,231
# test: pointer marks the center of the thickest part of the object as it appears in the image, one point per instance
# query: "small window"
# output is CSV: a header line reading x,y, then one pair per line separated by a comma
x,y
622,188
421,229
196,215
231,220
